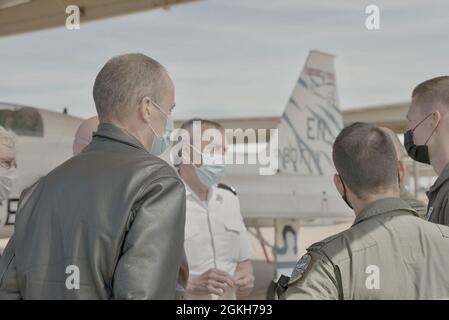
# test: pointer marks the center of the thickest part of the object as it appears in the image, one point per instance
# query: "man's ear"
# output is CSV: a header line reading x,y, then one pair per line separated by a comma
x,y
436,118
338,184
144,110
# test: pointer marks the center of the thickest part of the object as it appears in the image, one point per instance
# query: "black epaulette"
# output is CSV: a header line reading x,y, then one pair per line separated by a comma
x,y
229,188
282,286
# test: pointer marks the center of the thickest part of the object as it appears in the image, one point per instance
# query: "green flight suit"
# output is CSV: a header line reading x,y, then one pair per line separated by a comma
x,y
388,253
417,205
438,194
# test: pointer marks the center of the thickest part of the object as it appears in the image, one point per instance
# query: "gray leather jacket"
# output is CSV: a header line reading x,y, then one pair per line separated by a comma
x,y
115,213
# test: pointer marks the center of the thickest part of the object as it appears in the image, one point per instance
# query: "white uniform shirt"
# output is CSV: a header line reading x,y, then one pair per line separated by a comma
x,y
215,235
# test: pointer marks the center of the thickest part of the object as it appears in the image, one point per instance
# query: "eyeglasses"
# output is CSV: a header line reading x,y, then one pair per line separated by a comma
x,y
160,108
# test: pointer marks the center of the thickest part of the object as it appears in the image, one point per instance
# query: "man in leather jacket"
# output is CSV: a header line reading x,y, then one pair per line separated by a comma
x,y
109,222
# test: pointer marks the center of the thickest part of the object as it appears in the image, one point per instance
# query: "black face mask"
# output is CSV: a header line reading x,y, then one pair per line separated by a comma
x,y
418,153
345,198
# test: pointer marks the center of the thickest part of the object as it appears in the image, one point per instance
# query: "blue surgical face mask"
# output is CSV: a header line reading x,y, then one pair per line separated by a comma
x,y
212,169
162,141
7,180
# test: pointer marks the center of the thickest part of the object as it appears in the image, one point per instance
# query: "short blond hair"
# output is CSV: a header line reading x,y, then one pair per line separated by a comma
x,y
398,146
432,92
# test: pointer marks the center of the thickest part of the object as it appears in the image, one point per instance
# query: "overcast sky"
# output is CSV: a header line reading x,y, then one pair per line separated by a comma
x,y
236,58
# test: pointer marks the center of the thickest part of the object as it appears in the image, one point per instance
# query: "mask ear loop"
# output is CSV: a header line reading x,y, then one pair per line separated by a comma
x,y
161,111
413,130
344,196
152,129
433,131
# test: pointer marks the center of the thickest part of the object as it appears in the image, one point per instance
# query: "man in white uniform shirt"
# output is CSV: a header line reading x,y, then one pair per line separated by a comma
x,y
217,244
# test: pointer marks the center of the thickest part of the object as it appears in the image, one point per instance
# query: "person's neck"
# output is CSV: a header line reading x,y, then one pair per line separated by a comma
x,y
440,160
141,135
188,174
360,204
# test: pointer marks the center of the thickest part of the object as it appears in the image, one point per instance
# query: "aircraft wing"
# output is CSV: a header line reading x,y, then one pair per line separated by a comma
x,y
19,16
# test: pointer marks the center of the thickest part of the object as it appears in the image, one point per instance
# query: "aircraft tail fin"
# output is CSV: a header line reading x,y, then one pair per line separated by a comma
x,y
311,120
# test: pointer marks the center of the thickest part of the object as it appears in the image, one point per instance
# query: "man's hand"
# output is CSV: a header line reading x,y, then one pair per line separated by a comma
x,y
213,281
243,278
244,282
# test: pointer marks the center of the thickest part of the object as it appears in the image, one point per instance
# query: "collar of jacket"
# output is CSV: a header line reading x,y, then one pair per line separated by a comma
x,y
404,194
110,131
402,191
442,178
382,206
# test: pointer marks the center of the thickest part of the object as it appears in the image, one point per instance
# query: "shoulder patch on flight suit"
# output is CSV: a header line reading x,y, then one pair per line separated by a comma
x,y
300,268
226,187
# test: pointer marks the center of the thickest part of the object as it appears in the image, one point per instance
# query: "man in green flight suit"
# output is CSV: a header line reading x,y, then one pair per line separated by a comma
x,y
389,252
426,140
404,194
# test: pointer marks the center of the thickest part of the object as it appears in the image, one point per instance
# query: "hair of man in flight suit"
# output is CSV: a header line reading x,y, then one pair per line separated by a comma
x,y
127,92
400,152
367,166
431,98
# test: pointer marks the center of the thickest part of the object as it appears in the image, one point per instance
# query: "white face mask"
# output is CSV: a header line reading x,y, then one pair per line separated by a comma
x,y
161,141
212,169
212,172
7,180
